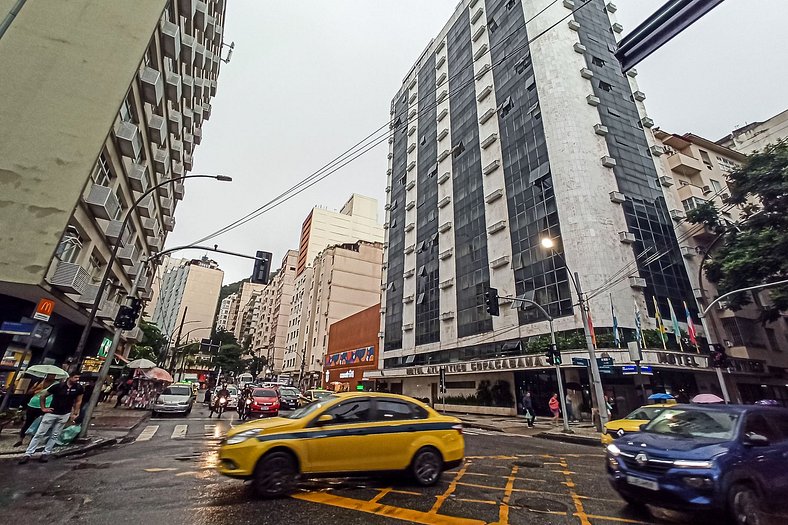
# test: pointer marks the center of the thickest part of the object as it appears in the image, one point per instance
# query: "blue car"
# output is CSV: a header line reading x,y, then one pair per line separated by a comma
x,y
730,459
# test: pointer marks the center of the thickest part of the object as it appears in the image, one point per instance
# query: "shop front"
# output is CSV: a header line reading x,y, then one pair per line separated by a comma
x,y
352,351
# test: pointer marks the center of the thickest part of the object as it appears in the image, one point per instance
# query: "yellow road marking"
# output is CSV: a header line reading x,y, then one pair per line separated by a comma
x,y
388,511
490,457
382,494
409,493
485,501
503,477
622,520
503,510
440,499
581,513
155,469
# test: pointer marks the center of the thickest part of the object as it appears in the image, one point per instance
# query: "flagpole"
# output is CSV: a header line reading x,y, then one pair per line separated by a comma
x,y
660,324
676,328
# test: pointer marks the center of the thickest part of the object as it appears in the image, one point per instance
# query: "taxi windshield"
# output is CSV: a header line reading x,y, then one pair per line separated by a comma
x,y
645,413
311,407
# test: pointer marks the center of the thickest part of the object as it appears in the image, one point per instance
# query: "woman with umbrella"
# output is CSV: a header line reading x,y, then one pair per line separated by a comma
x,y
49,375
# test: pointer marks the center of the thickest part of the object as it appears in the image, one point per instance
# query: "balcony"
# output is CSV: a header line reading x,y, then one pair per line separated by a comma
x,y
150,225
102,202
173,88
175,122
69,277
188,142
170,40
157,128
111,230
129,141
209,26
684,164
152,85
176,147
206,111
155,243
188,118
137,175
200,18
197,114
164,191
161,160
167,206
187,161
199,55
687,191
199,85
177,169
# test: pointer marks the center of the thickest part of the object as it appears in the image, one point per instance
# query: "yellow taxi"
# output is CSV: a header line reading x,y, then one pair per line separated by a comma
x,y
345,433
631,423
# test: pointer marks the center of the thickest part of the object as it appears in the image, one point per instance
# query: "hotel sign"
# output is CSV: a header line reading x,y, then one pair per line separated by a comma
x,y
491,365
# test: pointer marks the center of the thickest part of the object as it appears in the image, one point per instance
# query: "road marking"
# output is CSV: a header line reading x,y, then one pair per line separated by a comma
x,y
187,473
388,511
156,469
382,494
613,518
210,431
179,431
503,510
453,485
570,484
406,492
147,433
485,501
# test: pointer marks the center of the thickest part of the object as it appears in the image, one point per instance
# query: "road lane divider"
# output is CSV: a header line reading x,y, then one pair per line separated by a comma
x,y
147,433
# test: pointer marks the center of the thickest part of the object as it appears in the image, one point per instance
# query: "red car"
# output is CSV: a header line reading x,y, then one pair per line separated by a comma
x,y
265,402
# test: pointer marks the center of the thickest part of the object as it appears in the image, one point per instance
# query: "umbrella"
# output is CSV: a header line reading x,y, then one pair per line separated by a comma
x,y
707,398
47,370
158,374
141,363
659,397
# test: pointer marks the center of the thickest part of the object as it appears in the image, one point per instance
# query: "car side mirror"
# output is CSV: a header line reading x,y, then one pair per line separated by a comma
x,y
325,419
643,426
755,439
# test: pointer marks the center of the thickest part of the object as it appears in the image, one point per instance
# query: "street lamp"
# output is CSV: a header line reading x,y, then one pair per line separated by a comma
x,y
596,380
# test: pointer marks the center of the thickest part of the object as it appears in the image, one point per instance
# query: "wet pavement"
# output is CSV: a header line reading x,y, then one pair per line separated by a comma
x,y
167,476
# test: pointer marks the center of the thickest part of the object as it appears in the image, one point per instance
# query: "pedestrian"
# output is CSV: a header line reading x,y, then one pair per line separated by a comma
x,y
528,408
106,390
555,408
570,409
33,406
123,391
66,402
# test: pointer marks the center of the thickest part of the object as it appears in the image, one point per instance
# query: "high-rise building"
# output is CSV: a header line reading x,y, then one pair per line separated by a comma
x,y
278,296
514,125
107,100
189,295
235,318
356,221
754,136
224,313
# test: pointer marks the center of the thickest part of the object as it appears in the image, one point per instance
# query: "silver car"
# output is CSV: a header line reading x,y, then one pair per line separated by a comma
x,y
175,399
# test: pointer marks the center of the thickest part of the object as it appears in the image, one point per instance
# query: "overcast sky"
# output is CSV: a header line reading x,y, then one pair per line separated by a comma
x,y
309,79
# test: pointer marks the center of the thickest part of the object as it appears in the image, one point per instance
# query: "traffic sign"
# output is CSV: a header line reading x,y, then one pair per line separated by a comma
x,y
633,369
604,361
16,328
580,361
44,310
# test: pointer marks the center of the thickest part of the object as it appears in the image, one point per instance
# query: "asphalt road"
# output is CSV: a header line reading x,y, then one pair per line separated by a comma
x,y
166,476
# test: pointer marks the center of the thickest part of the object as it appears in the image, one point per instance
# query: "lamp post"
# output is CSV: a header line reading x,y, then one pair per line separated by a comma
x,y
94,397
183,348
596,379
553,346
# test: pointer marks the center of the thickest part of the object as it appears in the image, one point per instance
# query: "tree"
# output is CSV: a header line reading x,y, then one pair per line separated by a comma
x,y
229,359
754,250
153,341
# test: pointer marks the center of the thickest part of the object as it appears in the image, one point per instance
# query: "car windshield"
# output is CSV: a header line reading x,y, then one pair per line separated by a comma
x,y
706,424
320,394
645,413
289,391
260,392
177,391
311,407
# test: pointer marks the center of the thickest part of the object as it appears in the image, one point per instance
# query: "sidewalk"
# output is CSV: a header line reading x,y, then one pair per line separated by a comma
x,y
108,426
583,433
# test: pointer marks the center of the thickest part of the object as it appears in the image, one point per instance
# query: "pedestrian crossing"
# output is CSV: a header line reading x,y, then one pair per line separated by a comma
x,y
482,432
182,431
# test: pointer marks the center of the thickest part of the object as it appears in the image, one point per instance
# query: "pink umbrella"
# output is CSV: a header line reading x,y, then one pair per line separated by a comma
x,y
157,374
707,398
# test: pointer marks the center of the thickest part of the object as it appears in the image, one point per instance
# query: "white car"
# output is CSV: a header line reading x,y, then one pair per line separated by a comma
x,y
233,401
175,399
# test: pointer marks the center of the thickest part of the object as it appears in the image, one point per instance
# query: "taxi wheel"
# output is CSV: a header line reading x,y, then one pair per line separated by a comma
x,y
427,466
275,475
745,505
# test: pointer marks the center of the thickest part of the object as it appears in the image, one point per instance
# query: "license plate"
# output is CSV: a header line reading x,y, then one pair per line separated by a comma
x,y
643,483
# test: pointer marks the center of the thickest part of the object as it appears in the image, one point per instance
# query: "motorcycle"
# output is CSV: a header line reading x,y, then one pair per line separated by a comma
x,y
219,407
244,408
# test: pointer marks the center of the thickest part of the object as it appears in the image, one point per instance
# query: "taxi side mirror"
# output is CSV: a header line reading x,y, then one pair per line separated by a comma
x,y
325,419
643,426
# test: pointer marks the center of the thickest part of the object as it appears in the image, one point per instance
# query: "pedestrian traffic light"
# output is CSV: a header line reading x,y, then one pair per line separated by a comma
x,y
491,301
553,355
262,267
128,315
717,356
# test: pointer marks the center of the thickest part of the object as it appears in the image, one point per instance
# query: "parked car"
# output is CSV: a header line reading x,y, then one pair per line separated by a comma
x,y
175,399
312,395
632,422
289,397
732,459
348,433
265,402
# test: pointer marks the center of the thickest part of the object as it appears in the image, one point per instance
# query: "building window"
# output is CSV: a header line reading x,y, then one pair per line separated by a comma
x,y
704,156
692,203
604,85
94,269
126,111
597,61
102,174
715,185
70,245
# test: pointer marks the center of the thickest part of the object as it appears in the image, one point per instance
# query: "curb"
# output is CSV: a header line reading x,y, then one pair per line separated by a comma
x,y
101,443
570,438
482,426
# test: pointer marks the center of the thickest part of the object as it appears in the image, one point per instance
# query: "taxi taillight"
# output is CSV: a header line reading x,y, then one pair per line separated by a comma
x,y
458,428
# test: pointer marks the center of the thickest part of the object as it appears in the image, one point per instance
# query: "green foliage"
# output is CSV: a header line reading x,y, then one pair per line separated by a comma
x,y
755,251
229,359
483,393
502,394
152,344
497,395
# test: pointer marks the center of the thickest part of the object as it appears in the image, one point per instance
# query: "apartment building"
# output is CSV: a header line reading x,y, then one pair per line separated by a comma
x,y
188,295
516,124
224,313
754,136
298,323
344,280
279,295
696,173
107,103
356,220
241,304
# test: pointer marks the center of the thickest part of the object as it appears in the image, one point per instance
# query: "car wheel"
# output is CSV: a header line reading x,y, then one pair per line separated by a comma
x,y
275,475
745,505
427,466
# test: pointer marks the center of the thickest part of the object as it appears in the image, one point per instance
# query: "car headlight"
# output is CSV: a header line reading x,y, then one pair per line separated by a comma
x,y
685,463
183,402
243,436
613,449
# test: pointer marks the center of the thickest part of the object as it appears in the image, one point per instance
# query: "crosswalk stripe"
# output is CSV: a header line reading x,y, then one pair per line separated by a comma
x,y
147,433
210,431
179,431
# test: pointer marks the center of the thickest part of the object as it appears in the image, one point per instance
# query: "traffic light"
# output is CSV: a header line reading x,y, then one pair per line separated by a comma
x,y
491,301
262,267
717,356
553,355
128,315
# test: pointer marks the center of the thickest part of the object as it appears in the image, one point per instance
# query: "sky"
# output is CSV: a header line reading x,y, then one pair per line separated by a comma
x,y
309,79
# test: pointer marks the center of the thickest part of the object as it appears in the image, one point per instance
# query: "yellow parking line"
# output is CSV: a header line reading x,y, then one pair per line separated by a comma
x,y
503,510
503,477
409,493
440,499
382,494
581,513
490,457
388,511
485,501
622,520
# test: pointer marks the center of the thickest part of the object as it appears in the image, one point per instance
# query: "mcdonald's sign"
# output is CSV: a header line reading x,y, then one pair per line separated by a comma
x,y
44,309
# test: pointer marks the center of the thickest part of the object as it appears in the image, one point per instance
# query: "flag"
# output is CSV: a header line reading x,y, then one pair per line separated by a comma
x,y
591,327
638,330
693,336
616,336
675,322
660,325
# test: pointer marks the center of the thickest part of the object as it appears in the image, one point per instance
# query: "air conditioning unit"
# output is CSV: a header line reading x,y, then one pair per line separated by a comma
x,y
112,230
677,215
706,190
170,40
137,175
88,296
102,202
69,277
108,311
666,181
129,141
152,85
637,282
626,237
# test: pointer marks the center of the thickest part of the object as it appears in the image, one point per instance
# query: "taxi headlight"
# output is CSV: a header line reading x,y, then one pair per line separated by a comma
x,y
613,449
243,436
